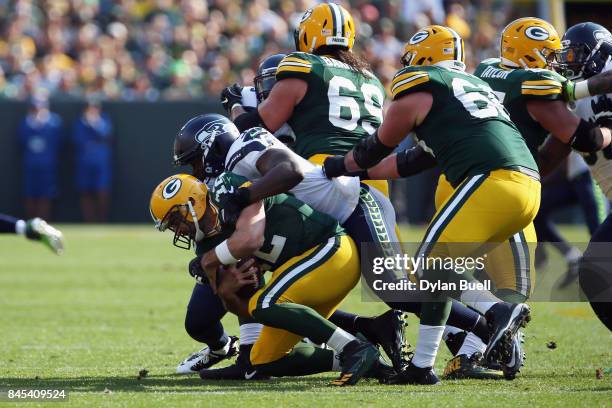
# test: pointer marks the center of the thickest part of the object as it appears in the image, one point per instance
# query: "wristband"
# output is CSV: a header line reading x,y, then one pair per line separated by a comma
x,y
224,255
581,90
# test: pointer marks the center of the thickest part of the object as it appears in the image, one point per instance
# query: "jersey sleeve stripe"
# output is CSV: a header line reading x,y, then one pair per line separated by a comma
x,y
289,68
407,75
540,87
294,64
294,59
411,81
409,84
553,91
549,82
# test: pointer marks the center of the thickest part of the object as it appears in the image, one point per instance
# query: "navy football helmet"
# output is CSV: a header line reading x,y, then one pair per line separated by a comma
x,y
208,138
587,47
266,76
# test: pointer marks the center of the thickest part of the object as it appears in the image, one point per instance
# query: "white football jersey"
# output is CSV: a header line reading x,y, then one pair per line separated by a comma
x,y
337,197
600,163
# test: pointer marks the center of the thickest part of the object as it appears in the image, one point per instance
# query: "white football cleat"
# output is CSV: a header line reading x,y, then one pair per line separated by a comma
x,y
206,358
37,229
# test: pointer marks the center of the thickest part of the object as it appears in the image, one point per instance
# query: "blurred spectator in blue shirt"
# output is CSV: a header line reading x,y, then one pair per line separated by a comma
x,y
40,137
92,137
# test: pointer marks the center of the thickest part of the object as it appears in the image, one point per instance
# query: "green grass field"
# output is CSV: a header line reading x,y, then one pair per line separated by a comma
x,y
114,304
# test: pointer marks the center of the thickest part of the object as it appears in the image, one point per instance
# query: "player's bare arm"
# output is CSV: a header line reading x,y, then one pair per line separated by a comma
x,y
600,84
403,115
555,117
551,154
278,107
247,238
275,110
403,164
281,172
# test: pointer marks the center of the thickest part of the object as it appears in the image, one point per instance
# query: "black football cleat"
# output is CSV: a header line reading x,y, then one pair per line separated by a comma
x,y
240,370
513,367
412,374
387,330
462,366
454,341
356,359
504,319
381,371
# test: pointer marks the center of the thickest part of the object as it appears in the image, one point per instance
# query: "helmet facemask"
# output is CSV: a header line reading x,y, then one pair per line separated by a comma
x,y
578,61
264,83
183,221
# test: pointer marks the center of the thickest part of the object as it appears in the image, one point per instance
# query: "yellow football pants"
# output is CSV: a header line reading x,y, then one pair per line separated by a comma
x,y
488,209
319,278
512,266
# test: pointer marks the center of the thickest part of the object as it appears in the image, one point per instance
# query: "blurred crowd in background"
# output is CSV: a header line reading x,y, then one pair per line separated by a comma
x,y
181,49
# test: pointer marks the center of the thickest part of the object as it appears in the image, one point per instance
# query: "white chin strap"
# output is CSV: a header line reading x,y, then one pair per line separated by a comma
x,y
199,234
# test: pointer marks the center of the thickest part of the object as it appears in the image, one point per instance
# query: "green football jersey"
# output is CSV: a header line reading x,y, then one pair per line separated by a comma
x,y
341,106
292,227
467,129
515,87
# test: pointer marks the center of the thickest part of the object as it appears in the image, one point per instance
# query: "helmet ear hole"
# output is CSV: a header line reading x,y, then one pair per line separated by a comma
x,y
305,40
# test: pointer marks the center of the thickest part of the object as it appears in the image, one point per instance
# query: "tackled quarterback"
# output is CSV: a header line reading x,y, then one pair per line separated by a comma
x,y
289,188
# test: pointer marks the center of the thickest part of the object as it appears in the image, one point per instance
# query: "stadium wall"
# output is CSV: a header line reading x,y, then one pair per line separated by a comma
x,y
142,145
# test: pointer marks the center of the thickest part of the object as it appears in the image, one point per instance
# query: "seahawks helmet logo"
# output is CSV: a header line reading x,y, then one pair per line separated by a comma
x,y
537,33
418,37
172,188
602,35
210,130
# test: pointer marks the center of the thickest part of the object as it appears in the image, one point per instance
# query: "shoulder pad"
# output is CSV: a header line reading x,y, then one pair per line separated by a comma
x,y
295,65
409,79
252,140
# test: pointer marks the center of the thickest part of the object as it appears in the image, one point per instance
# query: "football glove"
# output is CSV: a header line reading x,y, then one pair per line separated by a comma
x,y
568,91
196,271
334,166
232,205
37,229
231,96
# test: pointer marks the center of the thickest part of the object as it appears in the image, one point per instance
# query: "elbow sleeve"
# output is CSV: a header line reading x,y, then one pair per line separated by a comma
x,y
587,138
248,120
370,151
413,161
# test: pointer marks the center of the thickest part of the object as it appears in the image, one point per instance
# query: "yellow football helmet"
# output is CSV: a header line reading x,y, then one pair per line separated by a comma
x,y
529,42
433,44
325,24
178,203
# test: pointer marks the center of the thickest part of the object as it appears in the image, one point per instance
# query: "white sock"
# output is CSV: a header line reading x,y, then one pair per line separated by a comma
x,y
428,342
339,339
20,227
471,345
336,364
249,333
223,350
573,255
481,300
450,330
